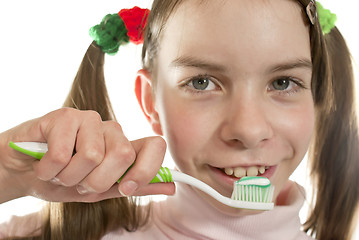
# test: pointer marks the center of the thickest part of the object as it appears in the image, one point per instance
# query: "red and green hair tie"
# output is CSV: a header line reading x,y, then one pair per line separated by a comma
x,y
128,25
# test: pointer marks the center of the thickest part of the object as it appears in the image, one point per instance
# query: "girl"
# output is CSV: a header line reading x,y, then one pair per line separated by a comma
x,y
237,88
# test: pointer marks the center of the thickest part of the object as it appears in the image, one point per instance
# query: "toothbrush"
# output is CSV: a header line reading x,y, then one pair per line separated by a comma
x,y
253,193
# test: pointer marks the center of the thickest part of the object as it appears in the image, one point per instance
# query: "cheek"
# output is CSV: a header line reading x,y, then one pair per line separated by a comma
x,y
302,127
296,128
187,128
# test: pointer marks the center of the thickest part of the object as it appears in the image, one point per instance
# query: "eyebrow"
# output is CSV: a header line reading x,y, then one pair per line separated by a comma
x,y
298,63
189,61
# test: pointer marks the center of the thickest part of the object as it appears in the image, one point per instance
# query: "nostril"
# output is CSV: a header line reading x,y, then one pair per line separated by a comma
x,y
247,128
235,143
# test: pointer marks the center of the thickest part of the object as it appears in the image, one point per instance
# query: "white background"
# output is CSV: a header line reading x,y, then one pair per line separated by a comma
x,y
42,43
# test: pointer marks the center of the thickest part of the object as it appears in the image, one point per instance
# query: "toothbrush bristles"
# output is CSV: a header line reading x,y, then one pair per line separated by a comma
x,y
252,193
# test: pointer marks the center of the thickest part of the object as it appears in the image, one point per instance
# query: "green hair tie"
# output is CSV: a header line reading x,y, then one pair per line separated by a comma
x,y
110,34
128,25
327,19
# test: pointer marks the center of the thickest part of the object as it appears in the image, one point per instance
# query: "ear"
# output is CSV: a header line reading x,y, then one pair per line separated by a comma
x,y
144,94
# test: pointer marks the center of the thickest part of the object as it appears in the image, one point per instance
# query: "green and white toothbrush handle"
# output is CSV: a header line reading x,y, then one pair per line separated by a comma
x,y
38,150
165,175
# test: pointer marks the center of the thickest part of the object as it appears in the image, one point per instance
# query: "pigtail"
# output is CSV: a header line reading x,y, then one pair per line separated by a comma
x,y
334,156
89,90
91,220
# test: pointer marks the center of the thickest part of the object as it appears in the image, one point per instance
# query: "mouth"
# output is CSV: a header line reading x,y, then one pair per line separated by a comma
x,y
225,177
238,172
231,174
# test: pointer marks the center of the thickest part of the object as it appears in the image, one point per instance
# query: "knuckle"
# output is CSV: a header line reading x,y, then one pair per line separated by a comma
x,y
159,143
127,154
59,157
50,119
67,112
113,126
93,155
93,115
113,123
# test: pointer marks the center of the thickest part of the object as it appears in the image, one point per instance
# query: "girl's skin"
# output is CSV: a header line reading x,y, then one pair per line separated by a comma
x,y
246,115
257,110
103,154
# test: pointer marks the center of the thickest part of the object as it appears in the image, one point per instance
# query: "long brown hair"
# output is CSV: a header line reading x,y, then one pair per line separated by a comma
x,y
333,158
92,220
334,153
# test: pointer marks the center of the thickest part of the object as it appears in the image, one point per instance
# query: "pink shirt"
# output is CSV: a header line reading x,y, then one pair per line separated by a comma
x,y
187,216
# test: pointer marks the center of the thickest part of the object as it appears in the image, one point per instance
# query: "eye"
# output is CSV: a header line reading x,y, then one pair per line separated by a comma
x,y
281,84
201,83
286,85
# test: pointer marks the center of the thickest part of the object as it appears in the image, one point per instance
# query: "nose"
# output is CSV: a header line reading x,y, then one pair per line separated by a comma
x,y
246,124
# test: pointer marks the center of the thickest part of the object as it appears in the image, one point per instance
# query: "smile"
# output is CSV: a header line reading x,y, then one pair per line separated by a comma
x,y
239,172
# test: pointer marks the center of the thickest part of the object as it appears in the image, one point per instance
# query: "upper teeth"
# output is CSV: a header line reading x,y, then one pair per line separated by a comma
x,y
241,172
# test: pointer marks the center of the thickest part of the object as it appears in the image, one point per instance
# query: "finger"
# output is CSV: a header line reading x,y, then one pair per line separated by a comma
x,y
59,129
155,189
66,194
119,156
150,189
90,151
150,155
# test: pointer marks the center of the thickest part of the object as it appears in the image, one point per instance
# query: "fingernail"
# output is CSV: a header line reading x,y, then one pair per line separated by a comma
x,y
56,181
128,188
81,189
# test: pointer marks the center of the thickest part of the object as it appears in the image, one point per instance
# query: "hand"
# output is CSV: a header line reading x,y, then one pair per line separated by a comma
x,y
102,155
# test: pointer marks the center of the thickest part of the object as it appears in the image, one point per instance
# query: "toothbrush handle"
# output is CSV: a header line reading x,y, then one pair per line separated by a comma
x,y
163,175
38,150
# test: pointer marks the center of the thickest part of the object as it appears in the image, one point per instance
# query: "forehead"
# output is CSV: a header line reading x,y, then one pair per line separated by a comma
x,y
236,29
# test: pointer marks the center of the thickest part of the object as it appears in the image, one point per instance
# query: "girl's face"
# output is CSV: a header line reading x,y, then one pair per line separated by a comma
x,y
233,90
